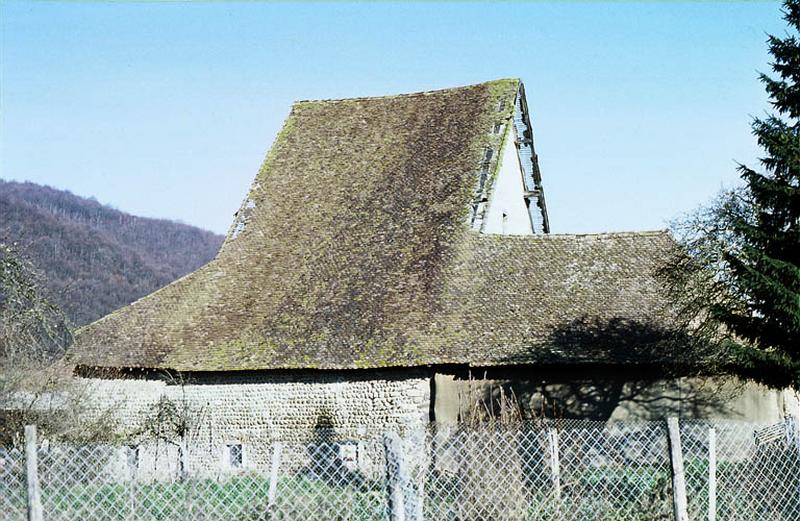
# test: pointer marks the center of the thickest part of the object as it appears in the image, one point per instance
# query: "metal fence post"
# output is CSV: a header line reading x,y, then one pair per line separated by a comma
x,y
277,449
32,475
712,474
679,500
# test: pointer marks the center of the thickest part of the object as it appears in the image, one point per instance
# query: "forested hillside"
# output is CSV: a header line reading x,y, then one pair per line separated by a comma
x,y
95,258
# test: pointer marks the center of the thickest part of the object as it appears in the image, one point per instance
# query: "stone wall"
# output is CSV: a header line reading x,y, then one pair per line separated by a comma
x,y
250,411
255,409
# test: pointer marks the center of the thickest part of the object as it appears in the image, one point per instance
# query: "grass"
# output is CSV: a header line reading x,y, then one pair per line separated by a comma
x,y
12,501
241,497
745,490
611,494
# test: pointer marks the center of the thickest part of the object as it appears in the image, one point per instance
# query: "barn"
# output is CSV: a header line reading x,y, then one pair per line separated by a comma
x,y
391,264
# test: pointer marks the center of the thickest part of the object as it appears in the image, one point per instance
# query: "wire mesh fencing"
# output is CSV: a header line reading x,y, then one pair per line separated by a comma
x,y
742,471
570,470
13,496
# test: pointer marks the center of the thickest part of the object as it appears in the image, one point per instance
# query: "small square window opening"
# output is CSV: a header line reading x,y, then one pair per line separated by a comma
x,y
133,457
235,455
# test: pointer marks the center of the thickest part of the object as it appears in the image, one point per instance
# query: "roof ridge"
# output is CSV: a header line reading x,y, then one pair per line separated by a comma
x,y
548,236
405,94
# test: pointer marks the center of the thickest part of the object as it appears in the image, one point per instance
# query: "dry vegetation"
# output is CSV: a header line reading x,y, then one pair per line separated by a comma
x,y
36,385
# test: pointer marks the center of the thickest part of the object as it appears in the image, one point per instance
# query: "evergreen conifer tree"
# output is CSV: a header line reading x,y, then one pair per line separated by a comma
x,y
761,222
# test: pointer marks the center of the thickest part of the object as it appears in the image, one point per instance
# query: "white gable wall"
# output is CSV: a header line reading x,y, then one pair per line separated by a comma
x,y
507,213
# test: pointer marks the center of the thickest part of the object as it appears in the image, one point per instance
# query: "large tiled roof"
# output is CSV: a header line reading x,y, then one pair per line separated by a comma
x,y
560,299
352,250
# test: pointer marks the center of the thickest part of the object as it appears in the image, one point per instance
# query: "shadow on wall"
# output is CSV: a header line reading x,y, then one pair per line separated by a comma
x,y
330,459
593,369
621,397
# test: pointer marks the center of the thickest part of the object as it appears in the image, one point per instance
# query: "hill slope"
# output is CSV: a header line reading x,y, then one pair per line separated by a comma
x,y
96,258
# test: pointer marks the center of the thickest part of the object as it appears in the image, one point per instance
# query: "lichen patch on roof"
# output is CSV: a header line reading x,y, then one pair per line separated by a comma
x,y
353,250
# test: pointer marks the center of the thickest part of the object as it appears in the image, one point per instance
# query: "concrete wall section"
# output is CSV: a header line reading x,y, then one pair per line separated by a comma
x,y
626,397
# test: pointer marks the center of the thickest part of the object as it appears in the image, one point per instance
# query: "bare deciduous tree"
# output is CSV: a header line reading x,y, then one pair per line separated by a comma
x,y
36,383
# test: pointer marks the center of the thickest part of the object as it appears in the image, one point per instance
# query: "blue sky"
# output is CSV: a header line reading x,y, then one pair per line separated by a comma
x,y
640,110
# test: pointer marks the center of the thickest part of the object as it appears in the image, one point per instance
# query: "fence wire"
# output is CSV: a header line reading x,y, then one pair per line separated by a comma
x,y
567,470
13,498
757,470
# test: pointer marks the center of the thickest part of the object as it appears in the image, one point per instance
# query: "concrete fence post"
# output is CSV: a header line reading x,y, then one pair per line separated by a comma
x,y
183,478
555,463
793,422
132,462
679,498
712,474
32,474
277,450
396,476
422,449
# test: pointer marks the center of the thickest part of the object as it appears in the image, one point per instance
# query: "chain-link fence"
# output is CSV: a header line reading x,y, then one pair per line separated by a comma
x,y
752,471
13,498
570,470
